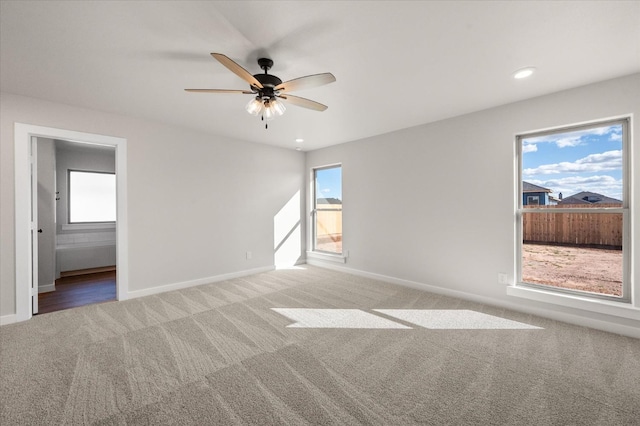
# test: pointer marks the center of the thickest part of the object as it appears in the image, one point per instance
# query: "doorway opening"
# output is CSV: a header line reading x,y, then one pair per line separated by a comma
x,y
76,221
27,227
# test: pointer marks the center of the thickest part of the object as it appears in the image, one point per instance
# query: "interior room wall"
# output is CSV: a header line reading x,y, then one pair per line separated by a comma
x,y
46,158
435,204
196,203
85,157
81,248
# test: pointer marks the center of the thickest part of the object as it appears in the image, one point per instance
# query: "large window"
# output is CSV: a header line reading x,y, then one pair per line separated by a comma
x,y
327,209
578,243
92,197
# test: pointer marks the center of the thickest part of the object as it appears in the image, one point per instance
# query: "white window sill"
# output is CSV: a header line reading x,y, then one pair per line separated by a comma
x,y
326,257
618,309
86,226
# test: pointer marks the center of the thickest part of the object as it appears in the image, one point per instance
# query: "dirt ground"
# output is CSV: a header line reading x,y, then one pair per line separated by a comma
x,y
586,269
332,244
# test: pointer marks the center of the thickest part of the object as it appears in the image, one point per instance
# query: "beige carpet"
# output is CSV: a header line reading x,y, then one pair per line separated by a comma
x,y
220,354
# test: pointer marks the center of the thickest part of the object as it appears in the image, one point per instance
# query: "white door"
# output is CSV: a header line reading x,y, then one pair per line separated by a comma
x,y
34,225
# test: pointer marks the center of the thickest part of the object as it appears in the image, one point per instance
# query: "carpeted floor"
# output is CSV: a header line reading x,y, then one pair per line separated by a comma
x,y
223,354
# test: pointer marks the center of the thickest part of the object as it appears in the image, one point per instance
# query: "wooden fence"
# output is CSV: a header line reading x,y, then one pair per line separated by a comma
x,y
580,229
329,224
329,231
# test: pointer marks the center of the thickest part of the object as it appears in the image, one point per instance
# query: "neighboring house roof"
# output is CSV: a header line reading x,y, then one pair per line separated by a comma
x,y
586,197
329,201
529,187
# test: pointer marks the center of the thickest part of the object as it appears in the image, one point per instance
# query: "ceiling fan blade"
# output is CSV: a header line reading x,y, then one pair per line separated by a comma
x,y
246,92
306,82
302,102
237,69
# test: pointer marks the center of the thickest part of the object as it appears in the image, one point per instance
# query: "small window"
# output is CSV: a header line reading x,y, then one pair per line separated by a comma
x,y
533,200
327,209
92,197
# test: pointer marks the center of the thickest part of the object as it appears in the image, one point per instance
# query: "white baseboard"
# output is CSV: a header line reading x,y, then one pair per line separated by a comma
x,y
406,283
199,281
47,288
584,321
8,319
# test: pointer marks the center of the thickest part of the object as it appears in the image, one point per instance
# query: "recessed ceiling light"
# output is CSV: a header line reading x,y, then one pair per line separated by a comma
x,y
299,140
524,73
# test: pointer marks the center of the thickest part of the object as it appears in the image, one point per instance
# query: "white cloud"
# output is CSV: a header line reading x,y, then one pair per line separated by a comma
x,y
600,184
568,142
326,190
615,137
605,161
580,180
529,147
575,138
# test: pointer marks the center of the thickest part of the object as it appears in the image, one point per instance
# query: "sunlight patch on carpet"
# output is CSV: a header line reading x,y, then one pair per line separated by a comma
x,y
335,318
455,319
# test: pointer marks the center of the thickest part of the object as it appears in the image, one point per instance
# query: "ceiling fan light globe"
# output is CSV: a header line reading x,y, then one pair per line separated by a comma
x,y
269,111
278,107
254,106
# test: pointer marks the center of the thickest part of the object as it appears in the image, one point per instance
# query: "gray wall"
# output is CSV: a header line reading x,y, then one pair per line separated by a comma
x,y
435,204
196,203
414,200
76,156
46,213
82,248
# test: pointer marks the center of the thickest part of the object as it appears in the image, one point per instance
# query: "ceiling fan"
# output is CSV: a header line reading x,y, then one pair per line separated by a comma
x,y
269,90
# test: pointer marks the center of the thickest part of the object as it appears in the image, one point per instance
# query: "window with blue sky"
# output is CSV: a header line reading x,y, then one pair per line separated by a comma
x,y
327,209
329,183
586,160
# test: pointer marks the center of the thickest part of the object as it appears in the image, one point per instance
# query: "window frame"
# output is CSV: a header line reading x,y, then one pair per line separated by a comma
x,y
87,225
625,210
315,209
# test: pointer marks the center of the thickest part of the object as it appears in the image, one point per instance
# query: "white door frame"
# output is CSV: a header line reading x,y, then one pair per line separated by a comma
x,y
23,243
33,142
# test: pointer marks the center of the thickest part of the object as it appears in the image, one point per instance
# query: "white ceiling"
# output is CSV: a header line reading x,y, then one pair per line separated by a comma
x,y
397,64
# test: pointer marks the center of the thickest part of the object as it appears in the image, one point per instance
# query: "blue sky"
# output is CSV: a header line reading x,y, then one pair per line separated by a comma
x,y
329,182
571,162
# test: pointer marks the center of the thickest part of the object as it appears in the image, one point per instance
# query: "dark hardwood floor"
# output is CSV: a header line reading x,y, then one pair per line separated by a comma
x,y
79,290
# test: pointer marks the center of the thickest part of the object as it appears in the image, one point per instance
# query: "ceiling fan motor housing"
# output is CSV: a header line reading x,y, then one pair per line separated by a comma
x,y
268,82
